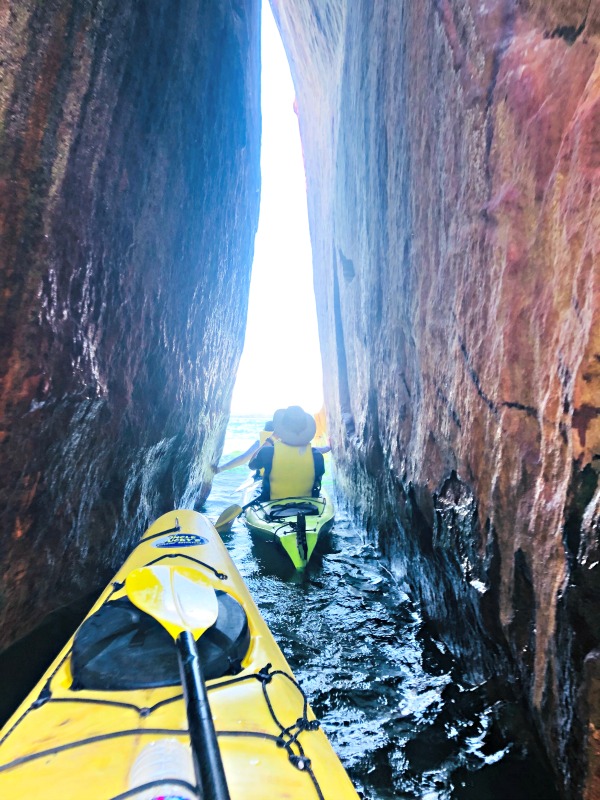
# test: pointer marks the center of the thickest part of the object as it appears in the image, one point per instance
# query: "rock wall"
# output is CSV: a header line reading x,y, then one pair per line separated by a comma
x,y
452,152
129,192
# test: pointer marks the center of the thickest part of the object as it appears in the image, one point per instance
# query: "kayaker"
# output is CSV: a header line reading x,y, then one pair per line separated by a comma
x,y
292,468
264,437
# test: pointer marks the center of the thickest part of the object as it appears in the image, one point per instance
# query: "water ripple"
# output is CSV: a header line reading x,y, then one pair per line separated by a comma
x,y
389,696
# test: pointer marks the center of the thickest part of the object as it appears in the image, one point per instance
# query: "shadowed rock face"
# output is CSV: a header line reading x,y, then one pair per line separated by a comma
x,y
129,191
452,151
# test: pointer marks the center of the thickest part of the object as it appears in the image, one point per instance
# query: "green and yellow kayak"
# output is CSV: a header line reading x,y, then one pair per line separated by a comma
x,y
108,719
294,524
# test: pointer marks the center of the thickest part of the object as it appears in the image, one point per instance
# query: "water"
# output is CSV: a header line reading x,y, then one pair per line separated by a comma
x,y
389,696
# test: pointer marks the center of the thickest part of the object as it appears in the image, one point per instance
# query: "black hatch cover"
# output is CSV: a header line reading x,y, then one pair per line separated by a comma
x,y
122,648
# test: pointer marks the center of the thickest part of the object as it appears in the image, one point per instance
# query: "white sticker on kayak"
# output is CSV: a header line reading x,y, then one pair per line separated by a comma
x,y
182,540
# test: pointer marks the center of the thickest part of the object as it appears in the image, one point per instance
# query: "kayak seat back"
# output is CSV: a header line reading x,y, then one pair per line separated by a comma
x,y
292,510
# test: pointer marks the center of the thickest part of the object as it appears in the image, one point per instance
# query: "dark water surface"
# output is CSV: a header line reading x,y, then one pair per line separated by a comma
x,y
389,696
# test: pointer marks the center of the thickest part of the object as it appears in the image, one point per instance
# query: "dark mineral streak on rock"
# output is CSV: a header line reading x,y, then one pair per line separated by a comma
x,y
453,174
129,190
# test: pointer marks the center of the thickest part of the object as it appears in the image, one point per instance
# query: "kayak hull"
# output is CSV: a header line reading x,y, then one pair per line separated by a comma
x,y
67,741
276,521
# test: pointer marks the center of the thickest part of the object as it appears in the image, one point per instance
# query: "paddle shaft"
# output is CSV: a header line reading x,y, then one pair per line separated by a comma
x,y
208,765
234,512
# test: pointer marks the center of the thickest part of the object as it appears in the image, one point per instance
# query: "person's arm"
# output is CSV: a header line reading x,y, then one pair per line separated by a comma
x,y
239,460
319,463
325,449
263,458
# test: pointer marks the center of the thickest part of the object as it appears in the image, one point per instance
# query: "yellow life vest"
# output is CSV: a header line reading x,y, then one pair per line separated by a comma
x,y
263,436
293,471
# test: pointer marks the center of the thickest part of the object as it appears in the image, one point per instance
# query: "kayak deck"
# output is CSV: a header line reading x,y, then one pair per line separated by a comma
x,y
295,524
65,740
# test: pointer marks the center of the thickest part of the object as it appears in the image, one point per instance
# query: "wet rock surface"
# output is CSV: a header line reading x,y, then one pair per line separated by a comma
x,y
451,150
129,190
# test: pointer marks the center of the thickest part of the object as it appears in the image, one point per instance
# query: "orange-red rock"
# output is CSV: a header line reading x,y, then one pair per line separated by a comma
x,y
452,150
129,187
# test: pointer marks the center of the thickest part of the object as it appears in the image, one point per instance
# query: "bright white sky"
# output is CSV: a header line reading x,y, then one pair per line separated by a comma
x,y
281,362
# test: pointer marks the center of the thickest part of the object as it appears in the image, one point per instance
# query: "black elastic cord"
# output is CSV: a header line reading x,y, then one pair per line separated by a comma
x,y
155,785
44,696
102,737
288,736
176,529
220,575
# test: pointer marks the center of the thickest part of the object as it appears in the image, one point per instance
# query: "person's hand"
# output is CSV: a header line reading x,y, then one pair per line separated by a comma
x,y
215,469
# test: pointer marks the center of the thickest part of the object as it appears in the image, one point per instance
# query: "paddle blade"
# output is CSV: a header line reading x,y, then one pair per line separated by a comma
x,y
227,518
180,598
246,484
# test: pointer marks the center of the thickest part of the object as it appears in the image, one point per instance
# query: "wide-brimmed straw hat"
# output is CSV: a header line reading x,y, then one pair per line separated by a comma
x,y
294,426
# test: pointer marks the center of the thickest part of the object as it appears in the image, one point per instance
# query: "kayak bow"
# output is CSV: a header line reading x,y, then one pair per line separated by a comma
x,y
112,701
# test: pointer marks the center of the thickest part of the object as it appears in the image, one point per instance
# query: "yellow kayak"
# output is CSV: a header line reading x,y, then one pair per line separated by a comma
x,y
108,720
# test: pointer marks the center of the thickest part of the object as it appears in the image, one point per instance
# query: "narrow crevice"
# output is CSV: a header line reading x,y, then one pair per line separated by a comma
x,y
449,407
504,42
522,626
343,384
493,406
569,32
475,378
529,410
347,266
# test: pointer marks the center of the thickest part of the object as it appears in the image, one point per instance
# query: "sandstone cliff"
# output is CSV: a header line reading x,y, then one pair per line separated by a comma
x,y
129,191
452,154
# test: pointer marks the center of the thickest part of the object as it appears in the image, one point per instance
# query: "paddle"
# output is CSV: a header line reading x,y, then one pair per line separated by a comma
x,y
247,483
231,513
185,603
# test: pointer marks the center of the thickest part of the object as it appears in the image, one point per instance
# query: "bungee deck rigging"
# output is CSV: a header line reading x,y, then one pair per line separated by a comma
x,y
65,733
295,525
